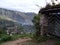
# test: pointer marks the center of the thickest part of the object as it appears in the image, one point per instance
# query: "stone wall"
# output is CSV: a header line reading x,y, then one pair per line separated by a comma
x,y
43,24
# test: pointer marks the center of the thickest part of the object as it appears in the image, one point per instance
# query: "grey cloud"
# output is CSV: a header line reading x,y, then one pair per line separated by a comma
x,y
21,5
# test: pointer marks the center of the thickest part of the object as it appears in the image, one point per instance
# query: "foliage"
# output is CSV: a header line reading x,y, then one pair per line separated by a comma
x,y
3,30
40,38
36,22
57,41
4,37
16,36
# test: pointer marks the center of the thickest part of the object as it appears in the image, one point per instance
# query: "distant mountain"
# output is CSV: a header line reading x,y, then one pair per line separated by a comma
x,y
30,15
16,16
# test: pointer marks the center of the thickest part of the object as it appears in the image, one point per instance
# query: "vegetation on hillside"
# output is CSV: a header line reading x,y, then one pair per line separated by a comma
x,y
4,24
37,24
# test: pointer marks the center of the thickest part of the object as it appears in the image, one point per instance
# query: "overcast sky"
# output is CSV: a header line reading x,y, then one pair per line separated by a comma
x,y
23,5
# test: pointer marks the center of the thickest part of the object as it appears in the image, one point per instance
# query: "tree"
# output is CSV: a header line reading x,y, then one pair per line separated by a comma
x,y
3,30
36,22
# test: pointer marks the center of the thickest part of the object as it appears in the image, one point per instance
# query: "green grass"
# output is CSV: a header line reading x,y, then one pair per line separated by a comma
x,y
16,36
5,37
2,17
40,38
5,18
57,42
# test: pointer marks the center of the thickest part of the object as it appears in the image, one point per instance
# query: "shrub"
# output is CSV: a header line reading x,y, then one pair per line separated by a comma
x,y
57,42
4,38
40,38
16,36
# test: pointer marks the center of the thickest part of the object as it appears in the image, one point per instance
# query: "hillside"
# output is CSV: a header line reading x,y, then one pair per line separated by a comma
x,y
20,17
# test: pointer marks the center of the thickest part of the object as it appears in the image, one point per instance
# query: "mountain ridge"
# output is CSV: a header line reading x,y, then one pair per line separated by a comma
x,y
20,17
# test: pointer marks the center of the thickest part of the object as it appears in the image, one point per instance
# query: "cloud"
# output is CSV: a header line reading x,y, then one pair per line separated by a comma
x,y
22,5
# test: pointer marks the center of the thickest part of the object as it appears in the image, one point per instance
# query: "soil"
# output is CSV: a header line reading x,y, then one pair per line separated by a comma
x,y
28,41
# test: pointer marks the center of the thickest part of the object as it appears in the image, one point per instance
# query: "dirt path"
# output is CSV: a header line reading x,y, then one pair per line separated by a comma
x,y
27,41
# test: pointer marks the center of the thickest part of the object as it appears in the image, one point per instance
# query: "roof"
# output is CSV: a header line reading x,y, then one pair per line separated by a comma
x,y
50,9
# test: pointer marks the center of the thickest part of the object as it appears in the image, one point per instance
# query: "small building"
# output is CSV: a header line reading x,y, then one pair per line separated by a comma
x,y
11,30
50,20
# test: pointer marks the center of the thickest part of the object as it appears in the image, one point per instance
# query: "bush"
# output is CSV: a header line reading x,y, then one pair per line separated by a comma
x,y
41,38
16,36
5,37
57,42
